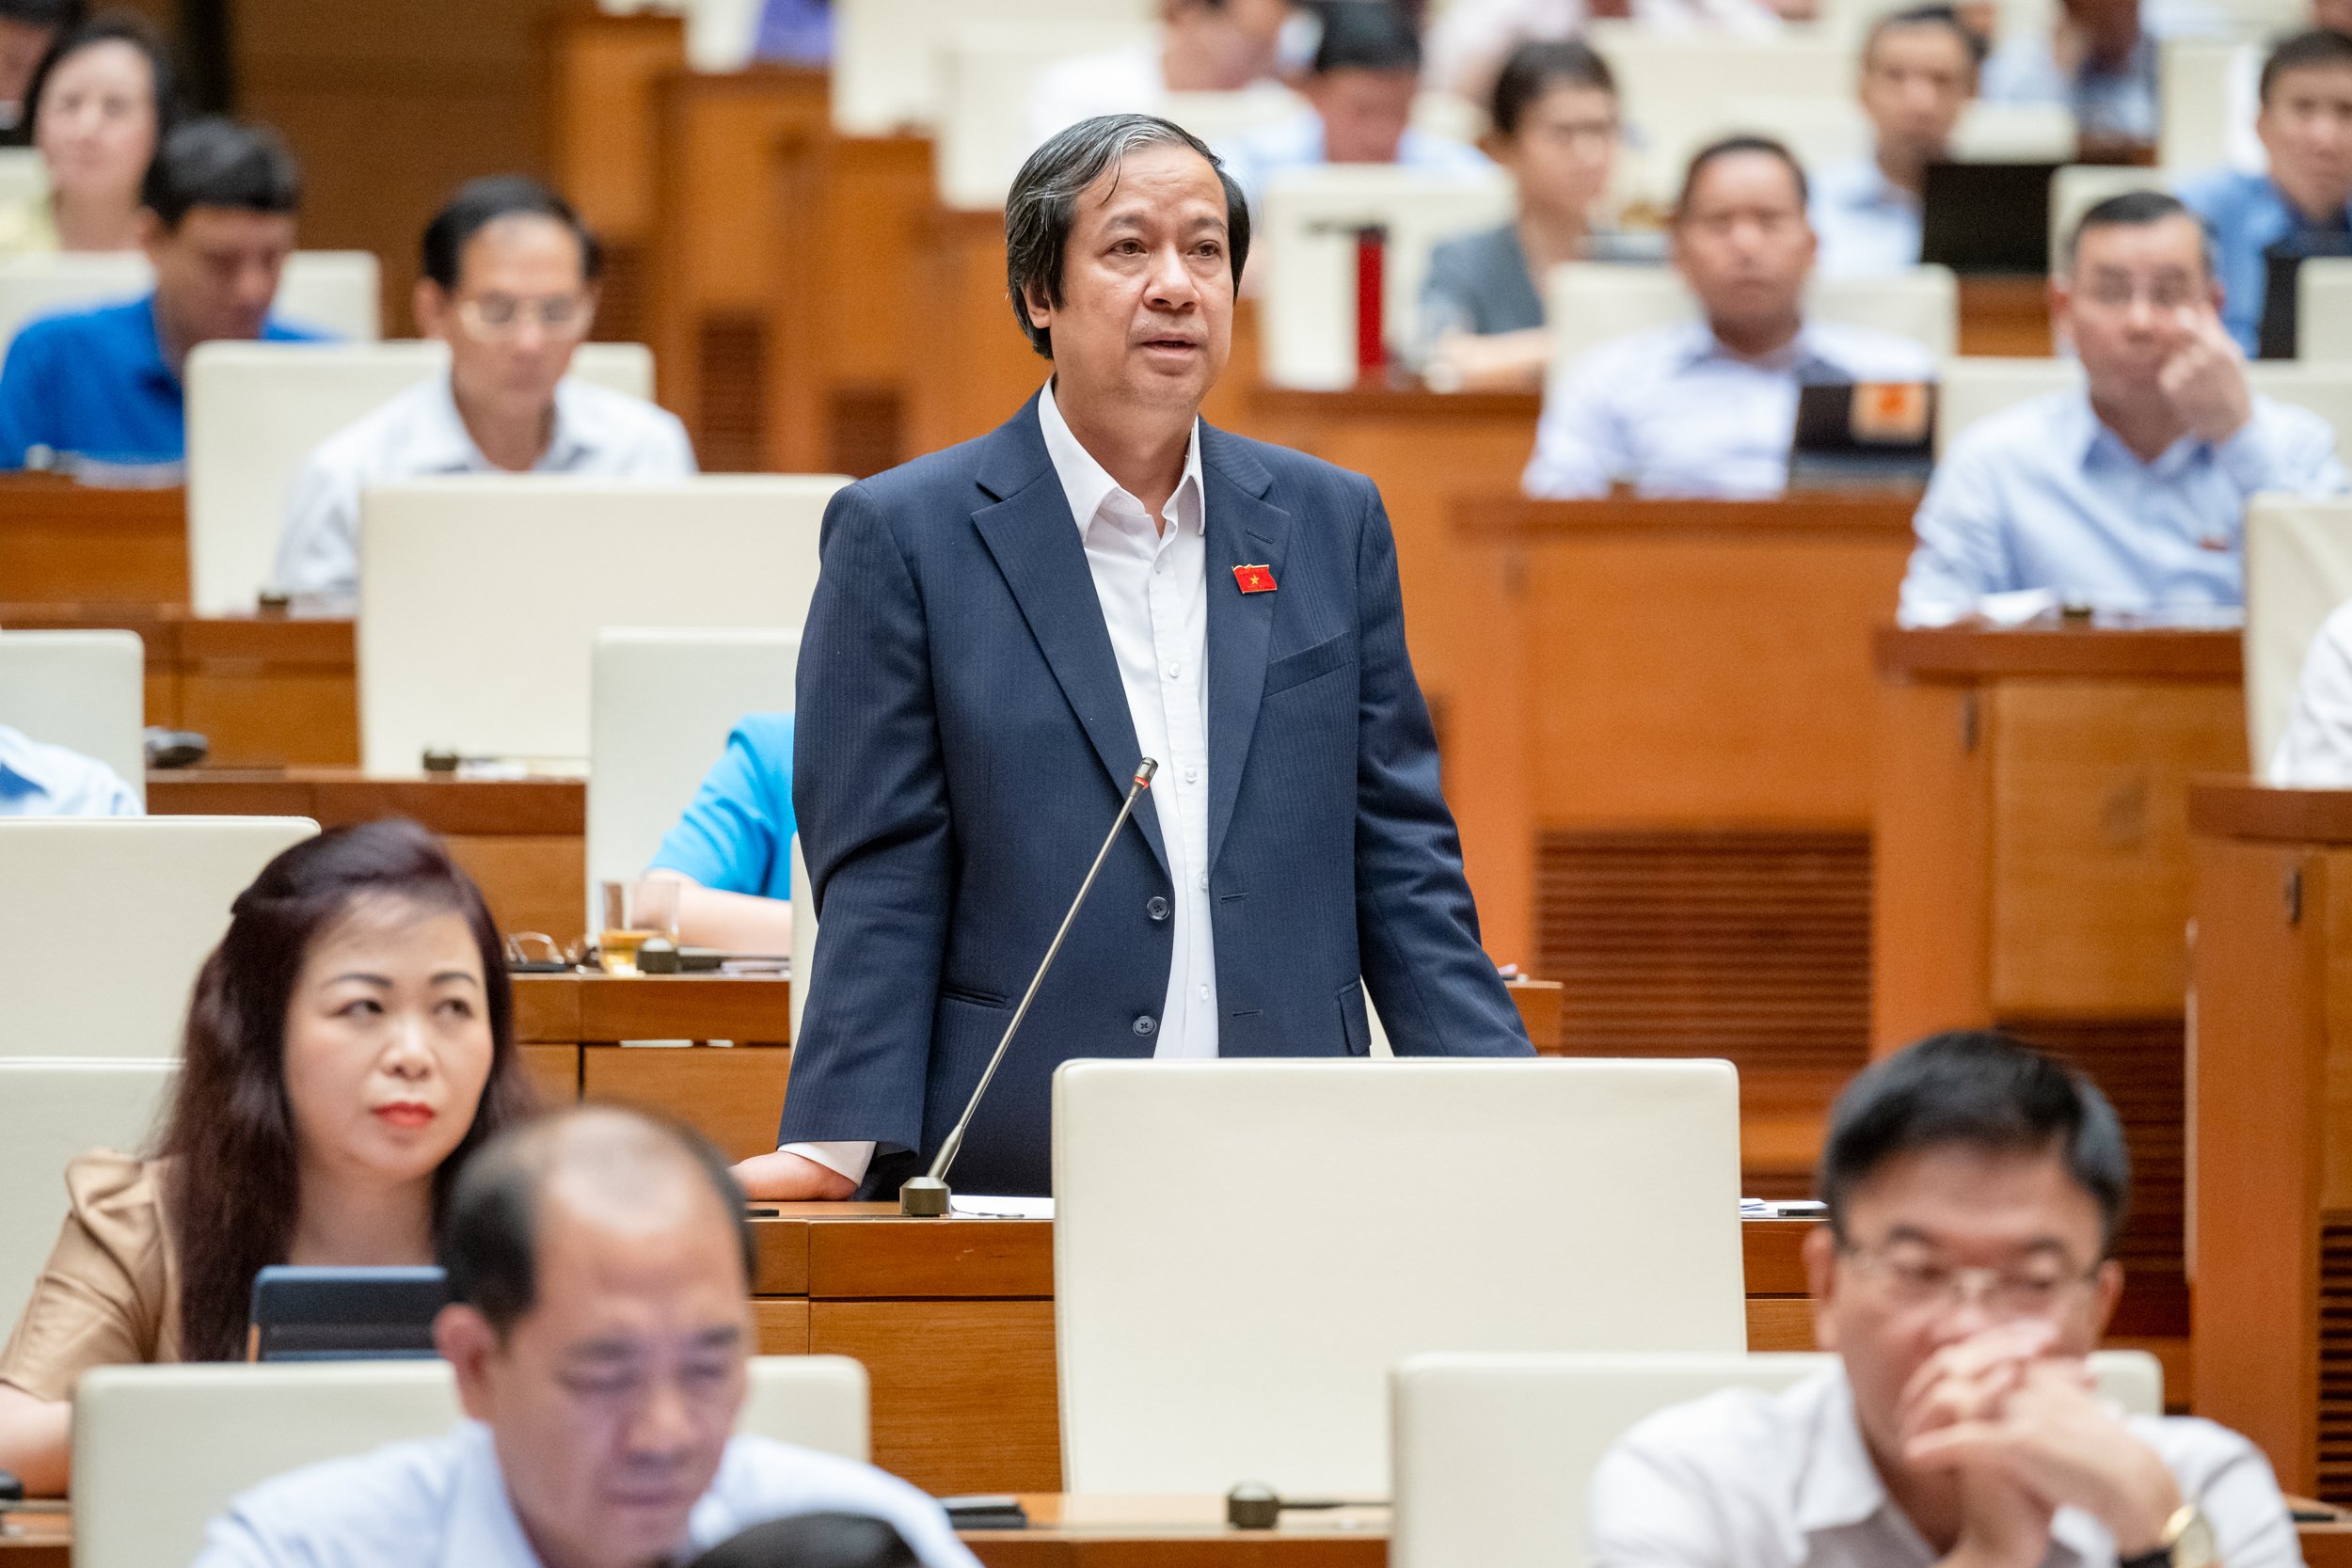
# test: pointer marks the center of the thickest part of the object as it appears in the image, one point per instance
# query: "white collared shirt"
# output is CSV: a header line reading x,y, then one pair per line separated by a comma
x,y
2314,752
419,434
1153,585
1745,1479
41,780
1867,226
1673,412
444,1504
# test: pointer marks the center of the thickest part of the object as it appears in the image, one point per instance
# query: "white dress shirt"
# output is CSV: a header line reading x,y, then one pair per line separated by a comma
x,y
1744,1479
2315,752
1153,585
443,1504
41,780
1867,226
419,434
1671,412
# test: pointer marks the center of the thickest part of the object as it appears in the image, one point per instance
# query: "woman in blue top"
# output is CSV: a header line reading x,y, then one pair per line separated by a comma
x,y
732,851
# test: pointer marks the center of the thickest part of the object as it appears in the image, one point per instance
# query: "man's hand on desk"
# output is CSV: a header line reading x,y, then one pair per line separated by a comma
x,y
784,1178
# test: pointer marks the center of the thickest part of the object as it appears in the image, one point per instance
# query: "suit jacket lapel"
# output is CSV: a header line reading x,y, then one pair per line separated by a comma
x,y
1244,529
1038,548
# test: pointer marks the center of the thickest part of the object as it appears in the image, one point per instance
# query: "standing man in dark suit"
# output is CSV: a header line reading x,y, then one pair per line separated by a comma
x,y
1002,629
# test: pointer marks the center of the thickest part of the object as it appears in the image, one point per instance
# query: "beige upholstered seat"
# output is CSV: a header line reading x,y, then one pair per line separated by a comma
x,y
86,691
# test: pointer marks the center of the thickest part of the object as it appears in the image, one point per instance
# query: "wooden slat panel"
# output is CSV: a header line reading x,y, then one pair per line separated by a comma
x,y
964,1392
2141,1066
2334,1472
733,1096
921,1258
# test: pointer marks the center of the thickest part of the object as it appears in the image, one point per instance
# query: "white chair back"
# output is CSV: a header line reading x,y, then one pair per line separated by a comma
x,y
85,690
2323,309
1588,303
2193,76
255,412
2076,188
1361,1201
335,291
23,177
2299,569
51,1110
1679,93
1308,222
1973,388
719,550
662,705
118,915
803,935
1495,1454
988,83
159,1451
889,72
2014,134
1219,118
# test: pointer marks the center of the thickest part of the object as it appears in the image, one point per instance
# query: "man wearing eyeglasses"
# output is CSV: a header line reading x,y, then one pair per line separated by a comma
x,y
509,284
2127,493
1974,1189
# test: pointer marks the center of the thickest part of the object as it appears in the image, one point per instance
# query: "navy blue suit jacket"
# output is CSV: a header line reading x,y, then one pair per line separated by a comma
x,y
963,745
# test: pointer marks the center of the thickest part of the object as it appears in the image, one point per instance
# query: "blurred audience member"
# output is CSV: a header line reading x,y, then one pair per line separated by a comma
x,y
733,848
2303,205
349,1040
509,282
795,32
2100,64
27,28
1470,39
1554,119
1710,408
1919,71
599,1324
2245,87
103,386
1205,46
2315,752
1359,95
41,780
2128,493
98,106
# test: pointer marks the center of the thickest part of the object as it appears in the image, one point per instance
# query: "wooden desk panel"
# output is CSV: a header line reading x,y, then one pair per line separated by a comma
x,y
62,543
732,1096
966,1393
2005,316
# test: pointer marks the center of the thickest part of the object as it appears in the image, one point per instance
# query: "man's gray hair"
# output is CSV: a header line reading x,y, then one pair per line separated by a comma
x,y
1042,206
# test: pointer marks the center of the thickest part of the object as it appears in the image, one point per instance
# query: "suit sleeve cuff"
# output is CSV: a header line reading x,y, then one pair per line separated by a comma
x,y
842,1159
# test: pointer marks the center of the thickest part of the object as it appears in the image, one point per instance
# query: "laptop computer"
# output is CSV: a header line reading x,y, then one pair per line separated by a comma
x,y
1987,218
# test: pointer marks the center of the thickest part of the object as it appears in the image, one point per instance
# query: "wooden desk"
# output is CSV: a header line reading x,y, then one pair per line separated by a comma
x,y
2007,316
267,691
65,542
1661,768
2033,862
2273,1177
524,839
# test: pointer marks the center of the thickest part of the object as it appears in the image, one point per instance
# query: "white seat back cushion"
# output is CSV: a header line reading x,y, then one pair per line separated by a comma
x,y
1495,1453
988,75
662,705
2299,569
51,1110
257,410
889,56
159,1451
327,291
1359,1200
730,550
85,690
2323,309
120,912
23,177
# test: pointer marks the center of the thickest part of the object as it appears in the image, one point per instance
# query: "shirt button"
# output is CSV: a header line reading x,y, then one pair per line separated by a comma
x,y
1204,993
1192,775
1204,882
1174,670
1157,907
1145,1024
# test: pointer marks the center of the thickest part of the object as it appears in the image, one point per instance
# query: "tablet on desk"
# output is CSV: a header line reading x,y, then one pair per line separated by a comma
x,y
314,1314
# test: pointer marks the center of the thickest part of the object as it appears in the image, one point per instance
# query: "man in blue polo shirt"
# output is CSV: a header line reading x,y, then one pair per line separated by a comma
x,y
733,848
103,386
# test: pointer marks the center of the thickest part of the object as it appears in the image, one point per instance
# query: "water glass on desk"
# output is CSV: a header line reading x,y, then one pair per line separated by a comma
x,y
634,916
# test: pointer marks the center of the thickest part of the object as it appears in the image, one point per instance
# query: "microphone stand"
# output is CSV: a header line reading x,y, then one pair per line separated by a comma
x,y
925,1196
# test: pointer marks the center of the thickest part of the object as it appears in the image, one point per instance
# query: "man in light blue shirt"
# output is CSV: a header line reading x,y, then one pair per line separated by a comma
x,y
41,780
733,848
2107,75
599,1283
2303,205
1360,97
1710,408
2129,494
1919,71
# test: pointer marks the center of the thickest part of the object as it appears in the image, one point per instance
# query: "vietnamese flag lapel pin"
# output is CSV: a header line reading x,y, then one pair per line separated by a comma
x,y
1254,579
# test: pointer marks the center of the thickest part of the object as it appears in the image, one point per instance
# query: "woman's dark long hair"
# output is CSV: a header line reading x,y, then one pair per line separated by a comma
x,y
232,1195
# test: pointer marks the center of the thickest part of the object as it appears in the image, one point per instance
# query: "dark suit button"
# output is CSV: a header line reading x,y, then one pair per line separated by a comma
x,y
1145,1024
1156,909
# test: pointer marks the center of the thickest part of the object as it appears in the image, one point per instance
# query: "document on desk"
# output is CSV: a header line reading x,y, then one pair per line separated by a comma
x,y
983,1208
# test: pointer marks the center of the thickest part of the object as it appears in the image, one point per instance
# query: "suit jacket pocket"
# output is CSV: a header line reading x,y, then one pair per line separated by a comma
x,y
1321,659
1355,1024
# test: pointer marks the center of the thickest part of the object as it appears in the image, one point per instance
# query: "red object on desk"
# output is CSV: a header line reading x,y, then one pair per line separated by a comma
x,y
1372,259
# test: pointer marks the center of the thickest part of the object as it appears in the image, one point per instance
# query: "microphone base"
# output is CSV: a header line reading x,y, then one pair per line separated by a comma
x,y
923,1197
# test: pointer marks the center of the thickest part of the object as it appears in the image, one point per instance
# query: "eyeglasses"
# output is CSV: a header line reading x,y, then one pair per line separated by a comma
x,y
504,315
1912,1280
2163,293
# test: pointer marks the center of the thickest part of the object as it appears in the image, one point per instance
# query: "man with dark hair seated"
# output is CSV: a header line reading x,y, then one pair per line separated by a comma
x,y
509,282
104,384
1974,1189
599,1319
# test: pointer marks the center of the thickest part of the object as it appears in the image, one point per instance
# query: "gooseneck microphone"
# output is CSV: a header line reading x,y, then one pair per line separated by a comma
x,y
925,1197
